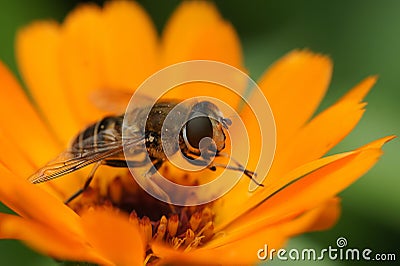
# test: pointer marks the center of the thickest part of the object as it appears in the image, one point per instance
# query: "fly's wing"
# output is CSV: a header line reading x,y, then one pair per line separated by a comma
x,y
116,101
105,144
74,159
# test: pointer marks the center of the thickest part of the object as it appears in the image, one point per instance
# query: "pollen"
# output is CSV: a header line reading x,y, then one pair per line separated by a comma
x,y
186,230
183,228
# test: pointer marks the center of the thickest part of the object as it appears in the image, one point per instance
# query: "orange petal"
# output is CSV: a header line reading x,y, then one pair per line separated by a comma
x,y
37,49
308,191
227,216
358,93
376,144
323,132
111,233
81,50
210,37
216,91
323,217
294,86
48,241
131,45
111,49
32,202
20,122
240,252
18,163
311,141
14,159
197,31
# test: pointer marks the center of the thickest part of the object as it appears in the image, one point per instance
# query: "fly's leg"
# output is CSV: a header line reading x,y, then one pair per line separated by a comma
x,y
201,162
159,191
87,183
147,176
112,163
156,165
248,173
238,167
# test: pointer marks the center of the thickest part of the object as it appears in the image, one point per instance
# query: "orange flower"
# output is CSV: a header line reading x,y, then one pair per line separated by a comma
x,y
116,48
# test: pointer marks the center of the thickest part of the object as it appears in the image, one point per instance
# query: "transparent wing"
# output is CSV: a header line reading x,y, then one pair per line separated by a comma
x,y
74,159
116,101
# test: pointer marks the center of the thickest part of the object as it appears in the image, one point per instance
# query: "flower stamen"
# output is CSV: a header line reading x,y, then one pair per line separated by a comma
x,y
183,228
173,223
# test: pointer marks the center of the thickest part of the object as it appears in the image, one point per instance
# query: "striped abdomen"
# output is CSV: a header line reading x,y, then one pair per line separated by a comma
x,y
106,130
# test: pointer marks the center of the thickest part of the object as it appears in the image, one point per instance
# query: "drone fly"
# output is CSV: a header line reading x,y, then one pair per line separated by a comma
x,y
102,142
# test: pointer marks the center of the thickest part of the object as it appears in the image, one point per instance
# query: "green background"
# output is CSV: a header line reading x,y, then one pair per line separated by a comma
x,y
362,38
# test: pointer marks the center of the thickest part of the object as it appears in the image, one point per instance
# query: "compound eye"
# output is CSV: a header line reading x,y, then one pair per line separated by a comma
x,y
197,129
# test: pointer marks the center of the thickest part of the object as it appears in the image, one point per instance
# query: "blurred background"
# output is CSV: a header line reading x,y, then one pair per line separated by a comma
x,y
362,38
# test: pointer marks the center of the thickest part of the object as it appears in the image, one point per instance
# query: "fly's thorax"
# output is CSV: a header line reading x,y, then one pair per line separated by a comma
x,y
154,126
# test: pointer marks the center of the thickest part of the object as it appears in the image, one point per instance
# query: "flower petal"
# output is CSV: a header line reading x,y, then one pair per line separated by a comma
x,y
14,159
113,49
358,93
249,241
27,142
37,49
81,47
314,188
48,241
114,236
39,144
227,216
210,38
131,45
322,217
241,252
311,142
32,202
323,132
205,35
294,86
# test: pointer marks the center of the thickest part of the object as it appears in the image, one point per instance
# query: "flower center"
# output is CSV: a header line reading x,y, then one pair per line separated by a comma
x,y
180,227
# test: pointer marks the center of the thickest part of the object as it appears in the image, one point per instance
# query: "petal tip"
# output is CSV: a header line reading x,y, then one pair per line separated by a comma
x,y
198,4
378,144
361,90
82,10
307,54
389,138
37,26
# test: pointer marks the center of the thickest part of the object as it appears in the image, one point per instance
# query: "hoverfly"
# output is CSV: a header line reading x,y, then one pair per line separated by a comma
x,y
102,143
